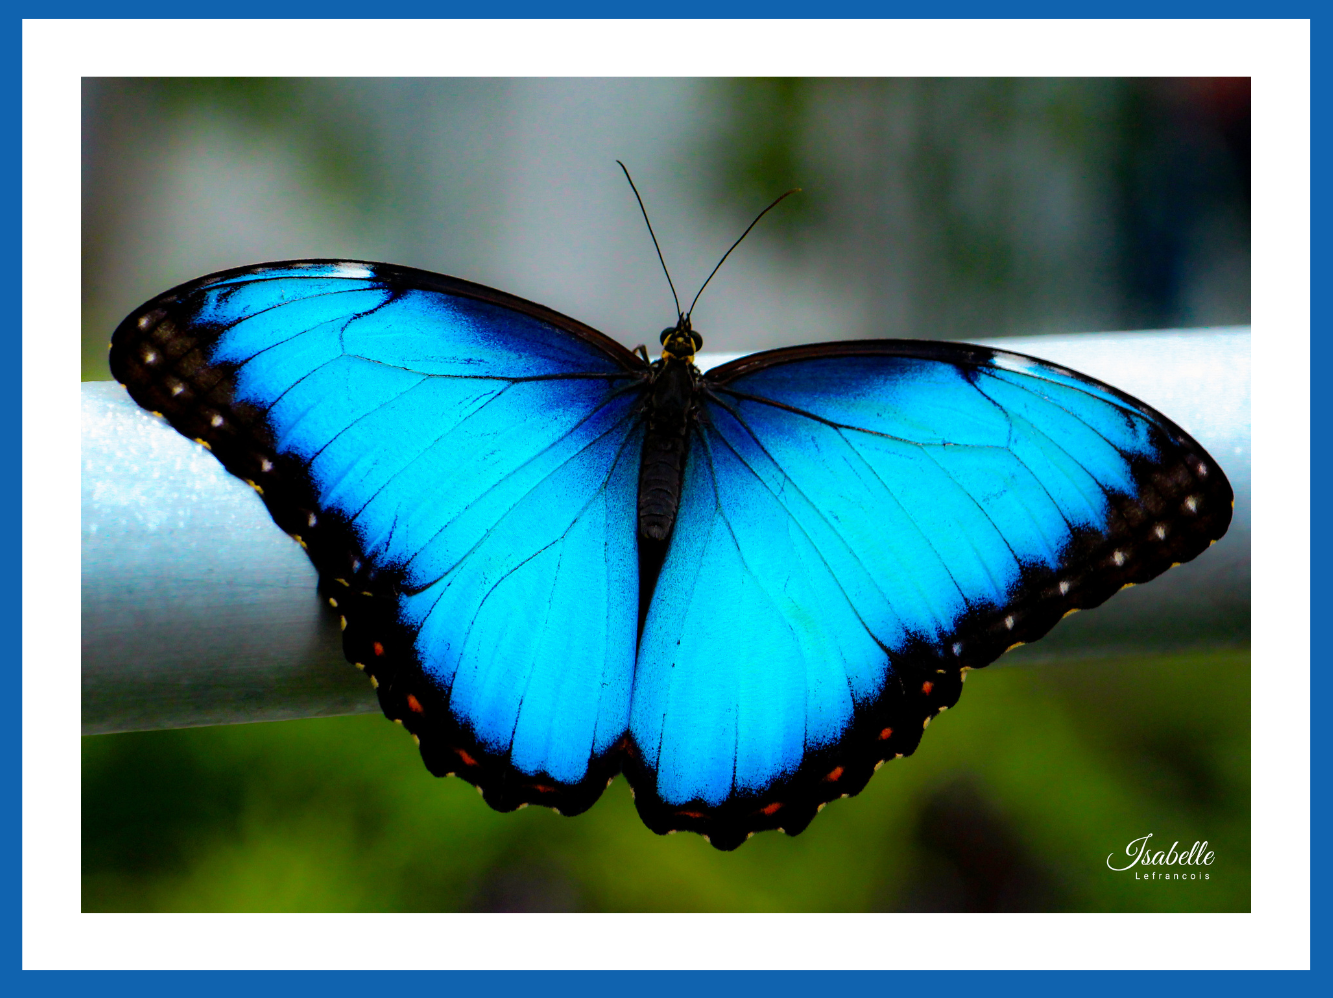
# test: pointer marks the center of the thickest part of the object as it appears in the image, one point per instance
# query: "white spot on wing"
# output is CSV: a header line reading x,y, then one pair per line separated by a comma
x,y
1020,365
346,269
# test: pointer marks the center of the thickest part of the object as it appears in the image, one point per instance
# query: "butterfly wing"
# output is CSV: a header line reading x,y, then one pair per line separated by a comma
x,y
860,524
461,466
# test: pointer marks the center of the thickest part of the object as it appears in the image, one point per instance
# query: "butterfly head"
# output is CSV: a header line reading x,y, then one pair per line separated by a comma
x,y
679,342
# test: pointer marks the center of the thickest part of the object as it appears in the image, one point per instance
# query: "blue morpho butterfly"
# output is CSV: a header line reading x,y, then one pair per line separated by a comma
x,y
744,588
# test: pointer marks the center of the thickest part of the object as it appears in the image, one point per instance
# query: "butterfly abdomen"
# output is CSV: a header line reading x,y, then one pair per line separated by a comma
x,y
671,410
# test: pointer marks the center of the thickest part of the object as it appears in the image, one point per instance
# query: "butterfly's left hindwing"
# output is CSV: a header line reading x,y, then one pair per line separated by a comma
x,y
882,516
460,466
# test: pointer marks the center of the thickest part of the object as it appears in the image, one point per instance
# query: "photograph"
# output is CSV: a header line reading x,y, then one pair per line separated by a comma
x,y
697,494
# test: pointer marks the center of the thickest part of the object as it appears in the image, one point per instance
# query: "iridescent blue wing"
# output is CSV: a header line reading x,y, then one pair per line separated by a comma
x,y
461,467
860,524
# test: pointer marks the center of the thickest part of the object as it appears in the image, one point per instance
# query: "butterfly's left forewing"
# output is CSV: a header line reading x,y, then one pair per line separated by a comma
x,y
461,467
860,524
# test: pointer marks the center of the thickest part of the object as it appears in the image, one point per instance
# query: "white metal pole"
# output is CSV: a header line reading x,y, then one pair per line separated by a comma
x,y
197,609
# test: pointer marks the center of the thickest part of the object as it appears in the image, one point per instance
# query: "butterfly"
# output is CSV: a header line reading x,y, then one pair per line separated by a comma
x,y
559,560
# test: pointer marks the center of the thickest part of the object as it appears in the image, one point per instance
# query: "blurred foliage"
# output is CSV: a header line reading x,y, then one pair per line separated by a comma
x,y
998,201
1013,802
128,132
771,115
956,208
336,142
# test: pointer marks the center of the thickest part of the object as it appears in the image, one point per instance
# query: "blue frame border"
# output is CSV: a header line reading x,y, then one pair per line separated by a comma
x,y
649,984
1321,535
684,9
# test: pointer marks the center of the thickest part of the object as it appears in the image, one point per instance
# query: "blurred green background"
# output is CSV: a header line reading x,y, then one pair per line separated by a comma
x,y
930,208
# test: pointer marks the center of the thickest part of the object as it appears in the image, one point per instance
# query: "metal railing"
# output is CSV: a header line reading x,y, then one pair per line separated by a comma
x,y
197,609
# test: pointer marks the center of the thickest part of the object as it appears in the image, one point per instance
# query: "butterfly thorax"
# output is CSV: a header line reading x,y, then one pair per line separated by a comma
x,y
671,407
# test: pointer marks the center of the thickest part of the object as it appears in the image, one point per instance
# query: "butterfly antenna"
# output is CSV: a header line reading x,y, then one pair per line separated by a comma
x,y
653,234
737,243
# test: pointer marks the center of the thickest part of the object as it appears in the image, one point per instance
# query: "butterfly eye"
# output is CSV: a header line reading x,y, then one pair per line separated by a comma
x,y
665,333
696,339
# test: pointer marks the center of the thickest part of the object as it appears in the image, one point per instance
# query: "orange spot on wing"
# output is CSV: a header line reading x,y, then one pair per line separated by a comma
x,y
771,808
378,648
927,687
691,814
542,788
886,734
837,772
414,705
467,759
